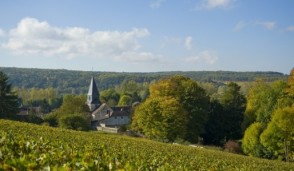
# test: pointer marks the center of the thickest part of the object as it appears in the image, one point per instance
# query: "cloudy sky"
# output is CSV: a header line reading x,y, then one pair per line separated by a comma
x,y
148,35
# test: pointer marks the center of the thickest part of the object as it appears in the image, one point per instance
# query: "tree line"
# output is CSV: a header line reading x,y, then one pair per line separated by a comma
x,y
76,82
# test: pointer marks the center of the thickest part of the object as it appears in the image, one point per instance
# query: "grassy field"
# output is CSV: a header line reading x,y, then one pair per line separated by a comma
x,y
26,146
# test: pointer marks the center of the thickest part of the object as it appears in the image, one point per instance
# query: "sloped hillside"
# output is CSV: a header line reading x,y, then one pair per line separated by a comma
x,y
26,146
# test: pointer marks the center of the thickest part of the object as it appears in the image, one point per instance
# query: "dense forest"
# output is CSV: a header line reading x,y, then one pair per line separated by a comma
x,y
77,82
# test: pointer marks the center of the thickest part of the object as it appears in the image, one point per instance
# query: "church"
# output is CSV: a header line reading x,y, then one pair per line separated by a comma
x,y
103,115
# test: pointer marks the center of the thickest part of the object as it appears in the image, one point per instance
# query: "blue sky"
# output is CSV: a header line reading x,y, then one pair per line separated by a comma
x,y
148,35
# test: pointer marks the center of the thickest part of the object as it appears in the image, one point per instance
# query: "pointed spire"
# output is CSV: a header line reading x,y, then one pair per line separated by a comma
x,y
93,95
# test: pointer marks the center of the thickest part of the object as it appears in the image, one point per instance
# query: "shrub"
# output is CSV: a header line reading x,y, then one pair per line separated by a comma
x,y
233,147
75,122
51,119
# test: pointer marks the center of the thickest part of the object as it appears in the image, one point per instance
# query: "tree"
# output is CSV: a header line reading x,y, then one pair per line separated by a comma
x,y
233,103
279,134
109,96
271,105
51,119
262,100
8,99
251,142
290,86
73,104
214,128
197,104
161,119
72,111
288,97
125,100
75,122
191,96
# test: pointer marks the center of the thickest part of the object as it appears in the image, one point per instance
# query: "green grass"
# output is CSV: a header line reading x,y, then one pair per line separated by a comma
x,y
26,146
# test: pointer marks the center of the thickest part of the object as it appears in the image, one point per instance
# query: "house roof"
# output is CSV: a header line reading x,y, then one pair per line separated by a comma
x,y
100,108
113,112
121,111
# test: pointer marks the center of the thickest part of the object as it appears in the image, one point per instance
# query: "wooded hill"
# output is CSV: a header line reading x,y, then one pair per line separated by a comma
x,y
69,81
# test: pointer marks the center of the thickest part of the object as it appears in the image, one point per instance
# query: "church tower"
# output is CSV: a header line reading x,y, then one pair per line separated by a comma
x,y
93,96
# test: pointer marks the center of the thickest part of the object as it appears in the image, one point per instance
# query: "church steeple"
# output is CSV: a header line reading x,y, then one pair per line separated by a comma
x,y
93,96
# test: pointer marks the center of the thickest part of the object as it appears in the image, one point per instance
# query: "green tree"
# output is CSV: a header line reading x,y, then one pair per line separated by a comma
x,y
72,109
191,96
288,93
279,134
214,128
8,99
251,141
262,100
233,103
125,100
160,118
197,104
109,96
51,119
75,122
73,104
290,86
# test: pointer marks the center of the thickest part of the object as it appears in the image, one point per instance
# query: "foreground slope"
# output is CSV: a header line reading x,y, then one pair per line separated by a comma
x,y
26,146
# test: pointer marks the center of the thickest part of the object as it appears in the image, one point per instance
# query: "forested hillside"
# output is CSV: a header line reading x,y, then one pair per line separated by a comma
x,y
68,81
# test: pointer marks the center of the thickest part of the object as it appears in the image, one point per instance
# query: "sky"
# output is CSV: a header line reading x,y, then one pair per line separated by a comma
x,y
148,35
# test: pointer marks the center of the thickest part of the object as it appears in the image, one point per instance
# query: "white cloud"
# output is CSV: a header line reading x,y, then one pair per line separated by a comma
x,y
2,33
211,4
240,25
32,36
188,42
268,25
156,3
290,28
203,57
137,57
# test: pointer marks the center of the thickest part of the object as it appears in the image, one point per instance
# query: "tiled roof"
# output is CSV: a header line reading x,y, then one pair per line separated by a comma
x,y
121,111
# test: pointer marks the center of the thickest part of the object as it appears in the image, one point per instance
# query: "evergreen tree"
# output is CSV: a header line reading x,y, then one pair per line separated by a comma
x,y
8,100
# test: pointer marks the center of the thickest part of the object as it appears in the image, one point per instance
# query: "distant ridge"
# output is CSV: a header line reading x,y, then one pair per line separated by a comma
x,y
73,81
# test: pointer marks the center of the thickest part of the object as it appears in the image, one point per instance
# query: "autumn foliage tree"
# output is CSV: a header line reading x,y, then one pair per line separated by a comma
x,y
161,118
190,100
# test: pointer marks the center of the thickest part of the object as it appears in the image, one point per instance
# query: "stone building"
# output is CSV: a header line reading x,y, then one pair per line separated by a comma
x,y
104,115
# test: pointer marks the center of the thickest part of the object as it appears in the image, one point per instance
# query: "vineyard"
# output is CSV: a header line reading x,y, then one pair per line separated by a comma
x,y
26,146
